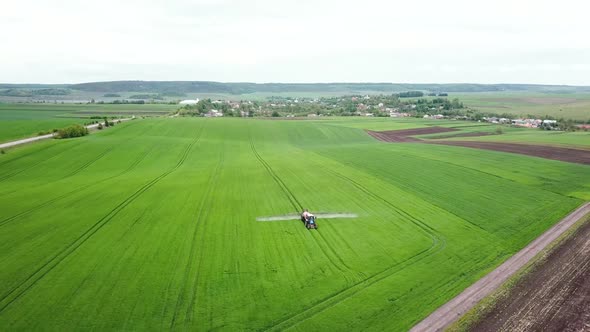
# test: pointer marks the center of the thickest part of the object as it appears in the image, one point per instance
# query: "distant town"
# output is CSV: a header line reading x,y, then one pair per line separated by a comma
x,y
409,104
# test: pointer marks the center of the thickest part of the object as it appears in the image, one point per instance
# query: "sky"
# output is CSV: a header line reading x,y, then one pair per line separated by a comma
x,y
427,41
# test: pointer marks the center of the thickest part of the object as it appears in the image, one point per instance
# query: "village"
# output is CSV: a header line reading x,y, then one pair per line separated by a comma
x,y
414,104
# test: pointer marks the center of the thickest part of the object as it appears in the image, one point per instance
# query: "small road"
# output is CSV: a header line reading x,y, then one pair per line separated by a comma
x,y
42,137
458,306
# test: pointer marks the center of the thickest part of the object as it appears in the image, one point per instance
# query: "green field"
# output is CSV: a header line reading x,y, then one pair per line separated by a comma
x,y
151,225
559,105
26,120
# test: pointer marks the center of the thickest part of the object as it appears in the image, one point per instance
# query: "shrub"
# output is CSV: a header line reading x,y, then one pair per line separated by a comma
x,y
2,151
499,130
72,131
99,126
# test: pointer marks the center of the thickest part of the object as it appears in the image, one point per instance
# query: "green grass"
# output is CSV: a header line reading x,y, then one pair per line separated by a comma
x,y
565,105
26,120
152,225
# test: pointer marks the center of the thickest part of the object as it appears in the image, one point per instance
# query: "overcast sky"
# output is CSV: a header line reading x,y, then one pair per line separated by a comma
x,y
451,41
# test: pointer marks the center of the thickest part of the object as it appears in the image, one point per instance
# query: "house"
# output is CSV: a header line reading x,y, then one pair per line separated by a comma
x,y
394,114
213,114
189,102
527,123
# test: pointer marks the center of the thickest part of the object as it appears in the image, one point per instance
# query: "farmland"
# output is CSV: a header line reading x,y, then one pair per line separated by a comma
x,y
558,105
25,120
152,225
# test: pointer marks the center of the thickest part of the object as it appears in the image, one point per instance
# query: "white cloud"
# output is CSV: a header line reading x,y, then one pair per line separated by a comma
x,y
296,41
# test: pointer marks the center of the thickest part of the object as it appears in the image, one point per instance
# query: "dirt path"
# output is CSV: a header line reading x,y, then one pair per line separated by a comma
x,y
571,155
42,137
402,136
458,306
554,296
548,152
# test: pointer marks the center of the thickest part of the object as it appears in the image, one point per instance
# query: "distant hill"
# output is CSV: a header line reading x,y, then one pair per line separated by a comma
x,y
245,88
179,88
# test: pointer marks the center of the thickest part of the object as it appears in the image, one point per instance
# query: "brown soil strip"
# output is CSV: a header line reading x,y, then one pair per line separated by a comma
x,y
458,306
578,156
472,134
555,296
403,136
548,152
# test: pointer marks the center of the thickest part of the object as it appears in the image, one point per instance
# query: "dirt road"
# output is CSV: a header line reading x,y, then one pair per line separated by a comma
x,y
42,137
578,156
554,296
549,152
458,306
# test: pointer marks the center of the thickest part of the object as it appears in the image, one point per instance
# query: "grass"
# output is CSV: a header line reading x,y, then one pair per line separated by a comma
x,y
152,225
26,120
565,105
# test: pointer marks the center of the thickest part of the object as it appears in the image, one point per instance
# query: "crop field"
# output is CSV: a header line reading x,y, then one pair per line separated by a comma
x,y
565,105
25,120
151,225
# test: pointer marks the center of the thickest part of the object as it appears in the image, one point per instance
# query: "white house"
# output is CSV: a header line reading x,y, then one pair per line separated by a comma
x,y
189,102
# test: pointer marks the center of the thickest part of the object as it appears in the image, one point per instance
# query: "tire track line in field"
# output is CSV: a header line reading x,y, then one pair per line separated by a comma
x,y
297,206
129,169
10,175
438,244
344,294
28,154
16,292
201,214
90,162
71,174
194,299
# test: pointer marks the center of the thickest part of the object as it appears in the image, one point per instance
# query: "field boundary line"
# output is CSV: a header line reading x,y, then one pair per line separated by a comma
x,y
19,290
462,303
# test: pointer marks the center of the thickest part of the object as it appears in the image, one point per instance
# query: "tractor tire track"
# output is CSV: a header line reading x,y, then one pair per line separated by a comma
x,y
201,214
297,206
345,293
16,292
27,154
10,175
90,162
193,301
438,244
35,208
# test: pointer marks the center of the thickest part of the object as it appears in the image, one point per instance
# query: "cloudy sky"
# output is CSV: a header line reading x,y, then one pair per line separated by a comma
x,y
502,41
